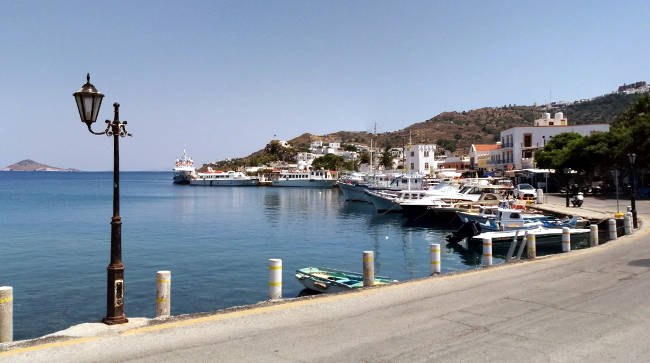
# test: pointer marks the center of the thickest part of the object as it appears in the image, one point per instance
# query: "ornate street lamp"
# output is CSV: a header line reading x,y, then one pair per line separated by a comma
x,y
88,102
632,157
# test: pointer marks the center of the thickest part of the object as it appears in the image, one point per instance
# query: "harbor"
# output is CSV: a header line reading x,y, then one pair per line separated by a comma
x,y
589,297
211,226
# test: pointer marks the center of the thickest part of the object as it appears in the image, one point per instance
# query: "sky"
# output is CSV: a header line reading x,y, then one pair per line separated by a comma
x,y
222,78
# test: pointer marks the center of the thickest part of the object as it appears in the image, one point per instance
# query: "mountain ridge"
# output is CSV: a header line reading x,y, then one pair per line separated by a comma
x,y
456,131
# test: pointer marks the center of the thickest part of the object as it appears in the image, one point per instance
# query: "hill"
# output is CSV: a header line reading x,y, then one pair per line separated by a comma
x,y
456,131
31,165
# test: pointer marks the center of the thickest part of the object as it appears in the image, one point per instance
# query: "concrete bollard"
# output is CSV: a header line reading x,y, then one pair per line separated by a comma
x,y
368,268
540,196
6,314
593,235
434,249
566,239
612,229
627,222
629,208
163,293
531,245
487,251
275,278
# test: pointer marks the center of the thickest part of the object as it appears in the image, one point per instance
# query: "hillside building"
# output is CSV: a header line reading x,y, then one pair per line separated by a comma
x,y
518,144
479,156
420,158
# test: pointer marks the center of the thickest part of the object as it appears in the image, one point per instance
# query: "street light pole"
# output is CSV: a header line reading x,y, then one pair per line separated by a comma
x,y
88,102
632,158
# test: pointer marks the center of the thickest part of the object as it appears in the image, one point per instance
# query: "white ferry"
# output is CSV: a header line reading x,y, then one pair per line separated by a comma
x,y
224,178
305,178
184,169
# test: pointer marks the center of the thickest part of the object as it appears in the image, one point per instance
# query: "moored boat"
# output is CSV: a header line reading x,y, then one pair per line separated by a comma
x,y
224,178
305,178
184,169
323,279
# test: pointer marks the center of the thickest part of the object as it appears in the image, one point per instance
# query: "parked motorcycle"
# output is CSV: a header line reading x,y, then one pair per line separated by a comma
x,y
577,200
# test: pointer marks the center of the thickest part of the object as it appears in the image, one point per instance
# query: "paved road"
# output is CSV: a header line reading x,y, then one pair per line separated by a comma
x,y
588,305
597,203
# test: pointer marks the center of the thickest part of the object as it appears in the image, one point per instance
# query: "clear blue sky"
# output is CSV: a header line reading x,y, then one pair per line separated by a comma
x,y
222,77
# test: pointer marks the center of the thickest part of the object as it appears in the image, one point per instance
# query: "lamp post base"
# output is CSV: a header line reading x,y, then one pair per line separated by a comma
x,y
113,320
115,295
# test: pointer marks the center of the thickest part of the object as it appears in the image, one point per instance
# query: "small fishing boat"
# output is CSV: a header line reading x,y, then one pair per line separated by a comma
x,y
323,279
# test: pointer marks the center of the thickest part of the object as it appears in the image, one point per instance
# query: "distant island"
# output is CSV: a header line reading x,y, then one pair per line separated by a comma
x,y
31,165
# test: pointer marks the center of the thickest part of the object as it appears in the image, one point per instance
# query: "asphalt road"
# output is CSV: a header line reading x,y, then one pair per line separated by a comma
x,y
588,305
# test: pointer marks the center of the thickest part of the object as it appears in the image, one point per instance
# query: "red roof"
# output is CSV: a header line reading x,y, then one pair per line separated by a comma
x,y
485,147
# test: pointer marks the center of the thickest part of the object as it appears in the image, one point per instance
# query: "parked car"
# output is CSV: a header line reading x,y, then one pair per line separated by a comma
x,y
525,191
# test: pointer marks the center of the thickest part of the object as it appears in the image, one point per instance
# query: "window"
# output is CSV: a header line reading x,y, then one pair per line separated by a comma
x,y
528,140
412,166
426,165
426,154
412,153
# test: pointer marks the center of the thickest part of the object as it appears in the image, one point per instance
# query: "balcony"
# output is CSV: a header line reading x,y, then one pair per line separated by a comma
x,y
527,163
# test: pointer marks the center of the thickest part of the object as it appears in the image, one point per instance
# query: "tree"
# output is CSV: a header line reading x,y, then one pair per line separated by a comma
x,y
329,162
447,144
387,159
364,158
556,152
632,128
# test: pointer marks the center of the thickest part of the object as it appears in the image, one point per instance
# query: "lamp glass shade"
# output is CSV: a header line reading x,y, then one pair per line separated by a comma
x,y
89,100
632,157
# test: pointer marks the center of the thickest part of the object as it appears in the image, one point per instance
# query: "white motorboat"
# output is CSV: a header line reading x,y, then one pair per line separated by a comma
x,y
184,169
305,178
224,178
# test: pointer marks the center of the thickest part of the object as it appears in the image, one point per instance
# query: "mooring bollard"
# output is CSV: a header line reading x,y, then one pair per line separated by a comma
x,y
6,314
275,278
163,293
368,268
434,249
531,244
627,222
487,251
566,239
593,235
612,229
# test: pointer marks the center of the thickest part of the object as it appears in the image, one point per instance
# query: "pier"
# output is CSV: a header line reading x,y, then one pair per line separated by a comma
x,y
582,305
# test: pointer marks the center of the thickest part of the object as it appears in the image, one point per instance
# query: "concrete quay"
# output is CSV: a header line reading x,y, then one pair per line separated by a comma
x,y
585,305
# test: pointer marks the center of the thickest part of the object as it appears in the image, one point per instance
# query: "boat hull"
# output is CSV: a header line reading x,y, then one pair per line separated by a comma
x,y
382,204
330,280
225,182
425,214
353,192
309,183
178,179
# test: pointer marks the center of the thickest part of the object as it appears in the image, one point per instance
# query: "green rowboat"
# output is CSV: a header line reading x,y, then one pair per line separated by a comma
x,y
323,279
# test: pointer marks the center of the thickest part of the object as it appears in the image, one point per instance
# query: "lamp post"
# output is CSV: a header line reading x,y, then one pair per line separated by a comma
x,y
88,102
566,172
632,157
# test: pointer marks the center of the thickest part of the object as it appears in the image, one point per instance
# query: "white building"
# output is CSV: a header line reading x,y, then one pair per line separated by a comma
x,y
304,160
420,158
518,144
480,155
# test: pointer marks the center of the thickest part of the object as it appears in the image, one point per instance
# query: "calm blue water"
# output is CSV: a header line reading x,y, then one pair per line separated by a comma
x,y
55,238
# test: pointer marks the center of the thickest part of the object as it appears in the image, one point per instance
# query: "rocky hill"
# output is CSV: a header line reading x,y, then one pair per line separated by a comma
x,y
31,165
456,131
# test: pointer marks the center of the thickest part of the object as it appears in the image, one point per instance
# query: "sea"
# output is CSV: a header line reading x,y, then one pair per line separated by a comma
x,y
216,241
